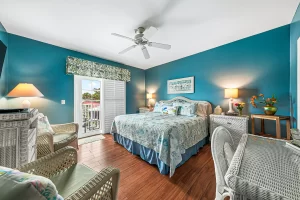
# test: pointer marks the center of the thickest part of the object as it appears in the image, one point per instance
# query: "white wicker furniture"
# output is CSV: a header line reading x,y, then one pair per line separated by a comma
x,y
235,124
219,137
17,138
65,135
261,168
62,165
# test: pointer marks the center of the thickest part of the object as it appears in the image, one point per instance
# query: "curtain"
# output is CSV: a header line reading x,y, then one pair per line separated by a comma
x,y
77,66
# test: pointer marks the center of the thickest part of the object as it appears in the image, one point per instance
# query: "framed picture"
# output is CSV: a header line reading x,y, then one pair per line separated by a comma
x,y
182,85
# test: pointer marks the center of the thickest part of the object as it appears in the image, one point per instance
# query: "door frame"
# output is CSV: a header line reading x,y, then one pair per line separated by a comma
x,y
77,112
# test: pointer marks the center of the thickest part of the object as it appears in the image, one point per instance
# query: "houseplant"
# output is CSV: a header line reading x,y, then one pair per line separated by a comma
x,y
240,107
269,107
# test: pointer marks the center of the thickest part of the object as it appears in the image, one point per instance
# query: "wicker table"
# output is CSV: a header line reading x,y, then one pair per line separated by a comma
x,y
275,118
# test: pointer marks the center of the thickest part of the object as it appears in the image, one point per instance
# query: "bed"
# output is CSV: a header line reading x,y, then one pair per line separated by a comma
x,y
167,141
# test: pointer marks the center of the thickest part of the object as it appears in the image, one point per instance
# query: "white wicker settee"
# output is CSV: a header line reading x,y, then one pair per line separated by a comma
x,y
260,168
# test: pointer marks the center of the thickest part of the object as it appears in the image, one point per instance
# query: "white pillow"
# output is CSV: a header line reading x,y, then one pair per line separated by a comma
x,y
186,108
44,125
228,151
158,106
170,110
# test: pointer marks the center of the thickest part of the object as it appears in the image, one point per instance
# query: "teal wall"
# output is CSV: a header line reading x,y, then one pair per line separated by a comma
x,y
258,64
294,35
44,65
3,78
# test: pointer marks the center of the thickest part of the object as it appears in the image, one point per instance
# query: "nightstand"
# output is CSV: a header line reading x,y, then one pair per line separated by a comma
x,y
145,109
238,125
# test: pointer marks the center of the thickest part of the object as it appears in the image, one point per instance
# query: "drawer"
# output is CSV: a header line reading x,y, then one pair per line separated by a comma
x,y
237,124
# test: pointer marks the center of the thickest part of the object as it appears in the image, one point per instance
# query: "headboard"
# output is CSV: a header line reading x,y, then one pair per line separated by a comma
x,y
203,107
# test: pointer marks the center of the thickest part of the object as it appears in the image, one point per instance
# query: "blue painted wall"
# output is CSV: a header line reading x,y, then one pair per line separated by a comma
x,y
44,65
258,64
3,78
294,35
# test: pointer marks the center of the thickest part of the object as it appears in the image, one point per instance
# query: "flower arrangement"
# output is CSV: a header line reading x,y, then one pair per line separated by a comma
x,y
261,99
269,107
240,107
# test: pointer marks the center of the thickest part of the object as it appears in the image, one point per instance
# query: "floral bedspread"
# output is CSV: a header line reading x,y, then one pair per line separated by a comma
x,y
168,135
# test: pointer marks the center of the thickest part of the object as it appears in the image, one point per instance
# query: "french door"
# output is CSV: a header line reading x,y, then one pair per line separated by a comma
x,y
96,103
87,105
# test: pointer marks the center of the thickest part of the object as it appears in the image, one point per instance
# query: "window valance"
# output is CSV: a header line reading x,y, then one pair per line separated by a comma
x,y
77,66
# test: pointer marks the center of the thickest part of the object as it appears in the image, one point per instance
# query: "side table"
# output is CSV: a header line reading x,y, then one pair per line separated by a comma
x,y
275,118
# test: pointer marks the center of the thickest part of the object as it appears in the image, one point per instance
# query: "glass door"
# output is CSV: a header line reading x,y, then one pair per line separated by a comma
x,y
87,105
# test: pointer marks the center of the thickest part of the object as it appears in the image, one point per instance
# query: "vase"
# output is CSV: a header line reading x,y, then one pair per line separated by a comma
x,y
270,110
240,112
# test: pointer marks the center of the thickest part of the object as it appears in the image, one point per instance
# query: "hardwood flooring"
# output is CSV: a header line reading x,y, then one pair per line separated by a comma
x,y
140,180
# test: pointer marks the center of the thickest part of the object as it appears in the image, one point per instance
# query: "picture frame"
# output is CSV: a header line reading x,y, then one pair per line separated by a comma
x,y
181,85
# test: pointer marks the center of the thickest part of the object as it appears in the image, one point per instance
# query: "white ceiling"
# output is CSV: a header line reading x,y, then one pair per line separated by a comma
x,y
190,26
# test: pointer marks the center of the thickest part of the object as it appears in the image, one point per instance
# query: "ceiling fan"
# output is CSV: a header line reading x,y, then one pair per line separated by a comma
x,y
141,41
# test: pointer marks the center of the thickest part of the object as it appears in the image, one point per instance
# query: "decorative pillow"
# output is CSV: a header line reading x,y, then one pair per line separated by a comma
x,y
158,106
186,108
170,110
19,185
203,108
228,151
44,125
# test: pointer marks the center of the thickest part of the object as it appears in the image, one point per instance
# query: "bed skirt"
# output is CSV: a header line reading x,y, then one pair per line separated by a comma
x,y
151,156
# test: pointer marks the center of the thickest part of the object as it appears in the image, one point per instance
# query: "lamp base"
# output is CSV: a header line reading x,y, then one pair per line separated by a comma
x,y
230,106
26,104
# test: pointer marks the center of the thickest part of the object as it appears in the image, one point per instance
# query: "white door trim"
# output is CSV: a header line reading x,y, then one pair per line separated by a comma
x,y
77,106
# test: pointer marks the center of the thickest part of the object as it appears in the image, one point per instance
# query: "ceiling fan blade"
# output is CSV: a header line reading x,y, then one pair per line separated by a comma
x,y
122,36
127,49
159,45
149,32
145,52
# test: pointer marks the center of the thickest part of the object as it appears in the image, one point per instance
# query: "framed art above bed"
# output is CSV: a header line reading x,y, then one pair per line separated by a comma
x,y
182,85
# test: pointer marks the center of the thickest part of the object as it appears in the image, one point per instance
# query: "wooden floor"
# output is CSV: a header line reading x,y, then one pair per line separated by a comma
x,y
140,180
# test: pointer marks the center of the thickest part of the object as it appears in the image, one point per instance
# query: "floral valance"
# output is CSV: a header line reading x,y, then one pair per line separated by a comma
x,y
82,67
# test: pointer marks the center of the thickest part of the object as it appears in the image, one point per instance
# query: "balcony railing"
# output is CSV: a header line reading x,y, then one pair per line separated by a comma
x,y
91,115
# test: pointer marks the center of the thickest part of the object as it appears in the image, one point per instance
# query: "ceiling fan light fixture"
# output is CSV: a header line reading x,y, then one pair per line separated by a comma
x,y
140,40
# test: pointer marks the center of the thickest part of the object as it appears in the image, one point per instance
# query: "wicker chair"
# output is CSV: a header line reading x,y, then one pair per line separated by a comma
x,y
219,137
75,181
65,135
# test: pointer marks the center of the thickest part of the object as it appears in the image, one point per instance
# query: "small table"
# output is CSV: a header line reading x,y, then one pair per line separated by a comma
x,y
275,118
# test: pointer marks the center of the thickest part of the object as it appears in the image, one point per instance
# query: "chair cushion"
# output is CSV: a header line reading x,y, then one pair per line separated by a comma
x,y
43,125
72,179
61,140
19,185
228,153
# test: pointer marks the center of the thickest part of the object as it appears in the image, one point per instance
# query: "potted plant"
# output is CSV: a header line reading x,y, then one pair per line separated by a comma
x,y
240,107
269,107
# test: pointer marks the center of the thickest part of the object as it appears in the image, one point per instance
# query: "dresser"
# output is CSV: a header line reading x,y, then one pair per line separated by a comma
x,y
237,125
18,138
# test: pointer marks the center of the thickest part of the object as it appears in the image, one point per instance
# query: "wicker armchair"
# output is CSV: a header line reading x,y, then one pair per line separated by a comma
x,y
65,135
219,137
75,181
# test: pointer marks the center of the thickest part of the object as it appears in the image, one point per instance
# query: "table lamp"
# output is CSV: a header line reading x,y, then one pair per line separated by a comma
x,y
231,93
25,90
149,97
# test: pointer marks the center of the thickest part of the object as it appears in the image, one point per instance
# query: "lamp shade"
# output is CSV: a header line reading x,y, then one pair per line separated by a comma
x,y
231,93
149,96
25,90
